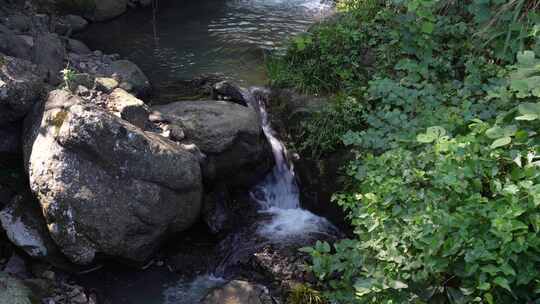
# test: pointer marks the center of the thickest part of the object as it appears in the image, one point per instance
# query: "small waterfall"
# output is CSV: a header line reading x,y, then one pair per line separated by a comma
x,y
278,194
279,189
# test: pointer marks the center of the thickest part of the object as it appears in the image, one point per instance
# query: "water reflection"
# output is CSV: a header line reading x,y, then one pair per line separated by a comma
x,y
189,38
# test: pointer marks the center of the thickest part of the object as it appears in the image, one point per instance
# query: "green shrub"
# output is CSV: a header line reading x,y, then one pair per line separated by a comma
x,y
444,194
452,218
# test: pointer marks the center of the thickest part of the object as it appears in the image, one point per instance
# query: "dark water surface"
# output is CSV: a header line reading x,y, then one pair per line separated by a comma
x,y
183,39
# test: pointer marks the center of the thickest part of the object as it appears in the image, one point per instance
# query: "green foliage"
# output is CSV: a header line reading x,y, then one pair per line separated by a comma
x,y
304,294
450,216
440,101
323,132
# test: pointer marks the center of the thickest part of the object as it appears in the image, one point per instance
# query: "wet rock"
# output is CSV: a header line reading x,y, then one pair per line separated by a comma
x,y
20,87
239,292
128,107
50,55
228,134
104,185
230,92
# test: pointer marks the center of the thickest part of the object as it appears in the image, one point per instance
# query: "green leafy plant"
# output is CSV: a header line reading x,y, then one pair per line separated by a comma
x,y
304,294
443,193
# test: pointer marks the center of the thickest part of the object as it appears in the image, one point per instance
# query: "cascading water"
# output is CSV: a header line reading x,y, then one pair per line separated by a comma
x,y
278,194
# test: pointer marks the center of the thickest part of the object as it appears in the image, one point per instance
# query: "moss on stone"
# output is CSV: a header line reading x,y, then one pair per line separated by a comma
x,y
58,120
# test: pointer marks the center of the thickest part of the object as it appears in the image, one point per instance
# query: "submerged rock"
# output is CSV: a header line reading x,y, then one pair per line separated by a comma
x,y
106,186
228,134
239,292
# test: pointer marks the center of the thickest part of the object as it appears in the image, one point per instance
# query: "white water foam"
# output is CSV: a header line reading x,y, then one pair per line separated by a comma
x,y
278,194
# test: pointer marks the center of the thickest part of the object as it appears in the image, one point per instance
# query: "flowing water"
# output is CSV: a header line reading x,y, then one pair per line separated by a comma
x,y
278,194
183,39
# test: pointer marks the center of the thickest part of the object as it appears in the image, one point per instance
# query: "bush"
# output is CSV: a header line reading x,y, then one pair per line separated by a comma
x,y
444,195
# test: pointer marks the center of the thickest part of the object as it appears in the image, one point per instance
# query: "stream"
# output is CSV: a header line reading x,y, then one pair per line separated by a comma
x,y
180,40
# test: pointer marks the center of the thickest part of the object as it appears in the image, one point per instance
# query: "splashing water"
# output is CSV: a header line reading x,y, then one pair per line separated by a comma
x,y
278,194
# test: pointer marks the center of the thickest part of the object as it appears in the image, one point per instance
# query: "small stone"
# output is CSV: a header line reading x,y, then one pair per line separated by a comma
x,y
106,84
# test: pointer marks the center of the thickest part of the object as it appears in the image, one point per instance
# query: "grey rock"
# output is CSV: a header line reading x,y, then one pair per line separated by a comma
x,y
77,23
104,185
23,223
128,107
18,22
28,39
230,92
20,87
239,292
127,71
81,79
77,47
229,135
14,45
50,55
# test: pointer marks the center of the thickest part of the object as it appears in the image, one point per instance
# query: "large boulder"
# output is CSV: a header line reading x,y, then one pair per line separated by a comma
x,y
20,87
106,186
230,135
